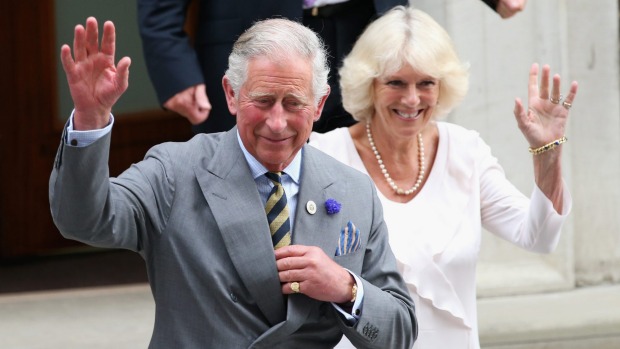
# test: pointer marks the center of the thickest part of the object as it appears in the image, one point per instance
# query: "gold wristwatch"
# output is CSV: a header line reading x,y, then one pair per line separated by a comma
x,y
353,293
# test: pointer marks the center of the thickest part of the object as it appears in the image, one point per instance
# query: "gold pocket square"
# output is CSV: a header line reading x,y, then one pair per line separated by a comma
x,y
349,240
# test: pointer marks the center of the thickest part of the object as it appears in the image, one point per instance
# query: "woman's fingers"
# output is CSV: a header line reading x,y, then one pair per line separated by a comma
x,y
544,82
568,102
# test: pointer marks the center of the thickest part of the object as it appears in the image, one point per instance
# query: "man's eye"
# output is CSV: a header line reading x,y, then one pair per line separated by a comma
x,y
294,104
262,101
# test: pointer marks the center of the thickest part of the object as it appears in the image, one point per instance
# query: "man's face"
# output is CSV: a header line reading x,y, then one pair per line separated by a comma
x,y
275,109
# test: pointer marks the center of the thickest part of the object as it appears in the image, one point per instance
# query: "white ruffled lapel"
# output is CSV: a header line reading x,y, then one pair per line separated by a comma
x,y
424,228
420,247
431,226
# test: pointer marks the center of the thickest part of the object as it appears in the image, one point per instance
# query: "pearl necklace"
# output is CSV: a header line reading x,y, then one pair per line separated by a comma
x,y
387,176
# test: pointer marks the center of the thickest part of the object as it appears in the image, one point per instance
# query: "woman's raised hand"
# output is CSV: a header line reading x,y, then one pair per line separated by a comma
x,y
544,120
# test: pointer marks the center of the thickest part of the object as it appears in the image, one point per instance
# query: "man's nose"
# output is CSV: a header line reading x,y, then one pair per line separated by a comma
x,y
276,120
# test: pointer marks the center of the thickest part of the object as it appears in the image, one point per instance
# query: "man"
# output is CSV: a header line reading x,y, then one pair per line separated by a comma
x,y
226,269
187,79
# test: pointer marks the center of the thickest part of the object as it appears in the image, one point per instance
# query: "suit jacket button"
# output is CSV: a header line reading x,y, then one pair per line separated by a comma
x,y
233,297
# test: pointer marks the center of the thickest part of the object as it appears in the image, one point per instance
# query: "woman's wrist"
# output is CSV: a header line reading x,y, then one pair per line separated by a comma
x,y
548,146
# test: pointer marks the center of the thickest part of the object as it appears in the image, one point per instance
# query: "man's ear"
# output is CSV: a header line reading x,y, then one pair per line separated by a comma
x,y
321,104
231,101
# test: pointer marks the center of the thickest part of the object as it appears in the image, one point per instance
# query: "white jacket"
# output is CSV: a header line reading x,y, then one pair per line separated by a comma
x,y
436,236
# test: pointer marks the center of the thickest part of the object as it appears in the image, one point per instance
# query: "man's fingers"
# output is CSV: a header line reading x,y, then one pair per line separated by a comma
x,y
122,73
291,263
92,36
290,251
79,43
201,104
186,104
108,41
202,100
291,275
198,116
292,287
188,110
66,59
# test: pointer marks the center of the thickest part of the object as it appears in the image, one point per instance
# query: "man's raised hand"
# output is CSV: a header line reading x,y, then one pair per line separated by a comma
x,y
94,81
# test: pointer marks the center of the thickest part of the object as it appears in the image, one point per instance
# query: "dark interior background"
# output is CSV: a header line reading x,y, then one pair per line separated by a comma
x,y
33,254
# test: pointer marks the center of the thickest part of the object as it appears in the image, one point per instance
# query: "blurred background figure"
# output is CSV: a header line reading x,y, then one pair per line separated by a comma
x,y
188,76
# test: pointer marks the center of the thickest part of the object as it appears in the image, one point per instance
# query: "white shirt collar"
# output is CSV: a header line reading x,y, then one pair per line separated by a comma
x,y
293,170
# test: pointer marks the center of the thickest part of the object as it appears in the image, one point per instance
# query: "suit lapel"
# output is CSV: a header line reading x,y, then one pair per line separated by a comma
x,y
227,185
317,185
313,229
318,229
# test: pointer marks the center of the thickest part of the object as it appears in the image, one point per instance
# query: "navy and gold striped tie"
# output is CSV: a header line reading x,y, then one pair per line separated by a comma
x,y
277,212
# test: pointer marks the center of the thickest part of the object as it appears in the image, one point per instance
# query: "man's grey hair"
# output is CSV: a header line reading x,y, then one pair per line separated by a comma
x,y
279,39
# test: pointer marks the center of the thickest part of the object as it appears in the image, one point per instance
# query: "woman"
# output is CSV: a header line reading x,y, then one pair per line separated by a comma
x,y
439,183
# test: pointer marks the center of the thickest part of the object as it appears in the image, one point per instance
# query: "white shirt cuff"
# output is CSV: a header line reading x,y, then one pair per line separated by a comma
x,y
84,138
356,310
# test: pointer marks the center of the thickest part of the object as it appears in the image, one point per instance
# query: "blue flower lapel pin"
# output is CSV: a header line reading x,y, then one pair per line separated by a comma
x,y
332,206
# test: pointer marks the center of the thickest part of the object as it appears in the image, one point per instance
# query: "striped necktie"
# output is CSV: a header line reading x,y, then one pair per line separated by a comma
x,y
277,212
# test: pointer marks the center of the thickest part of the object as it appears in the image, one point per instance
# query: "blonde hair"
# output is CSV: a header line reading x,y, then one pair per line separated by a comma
x,y
402,36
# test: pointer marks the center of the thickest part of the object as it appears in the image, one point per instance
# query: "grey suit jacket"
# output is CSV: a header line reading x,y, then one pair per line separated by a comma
x,y
193,212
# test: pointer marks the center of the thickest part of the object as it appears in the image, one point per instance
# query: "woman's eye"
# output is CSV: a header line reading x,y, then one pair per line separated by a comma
x,y
427,84
395,83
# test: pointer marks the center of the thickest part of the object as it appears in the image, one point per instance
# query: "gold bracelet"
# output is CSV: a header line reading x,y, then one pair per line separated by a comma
x,y
548,146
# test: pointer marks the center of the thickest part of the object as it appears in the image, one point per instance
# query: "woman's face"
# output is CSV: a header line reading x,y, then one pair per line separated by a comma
x,y
405,100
